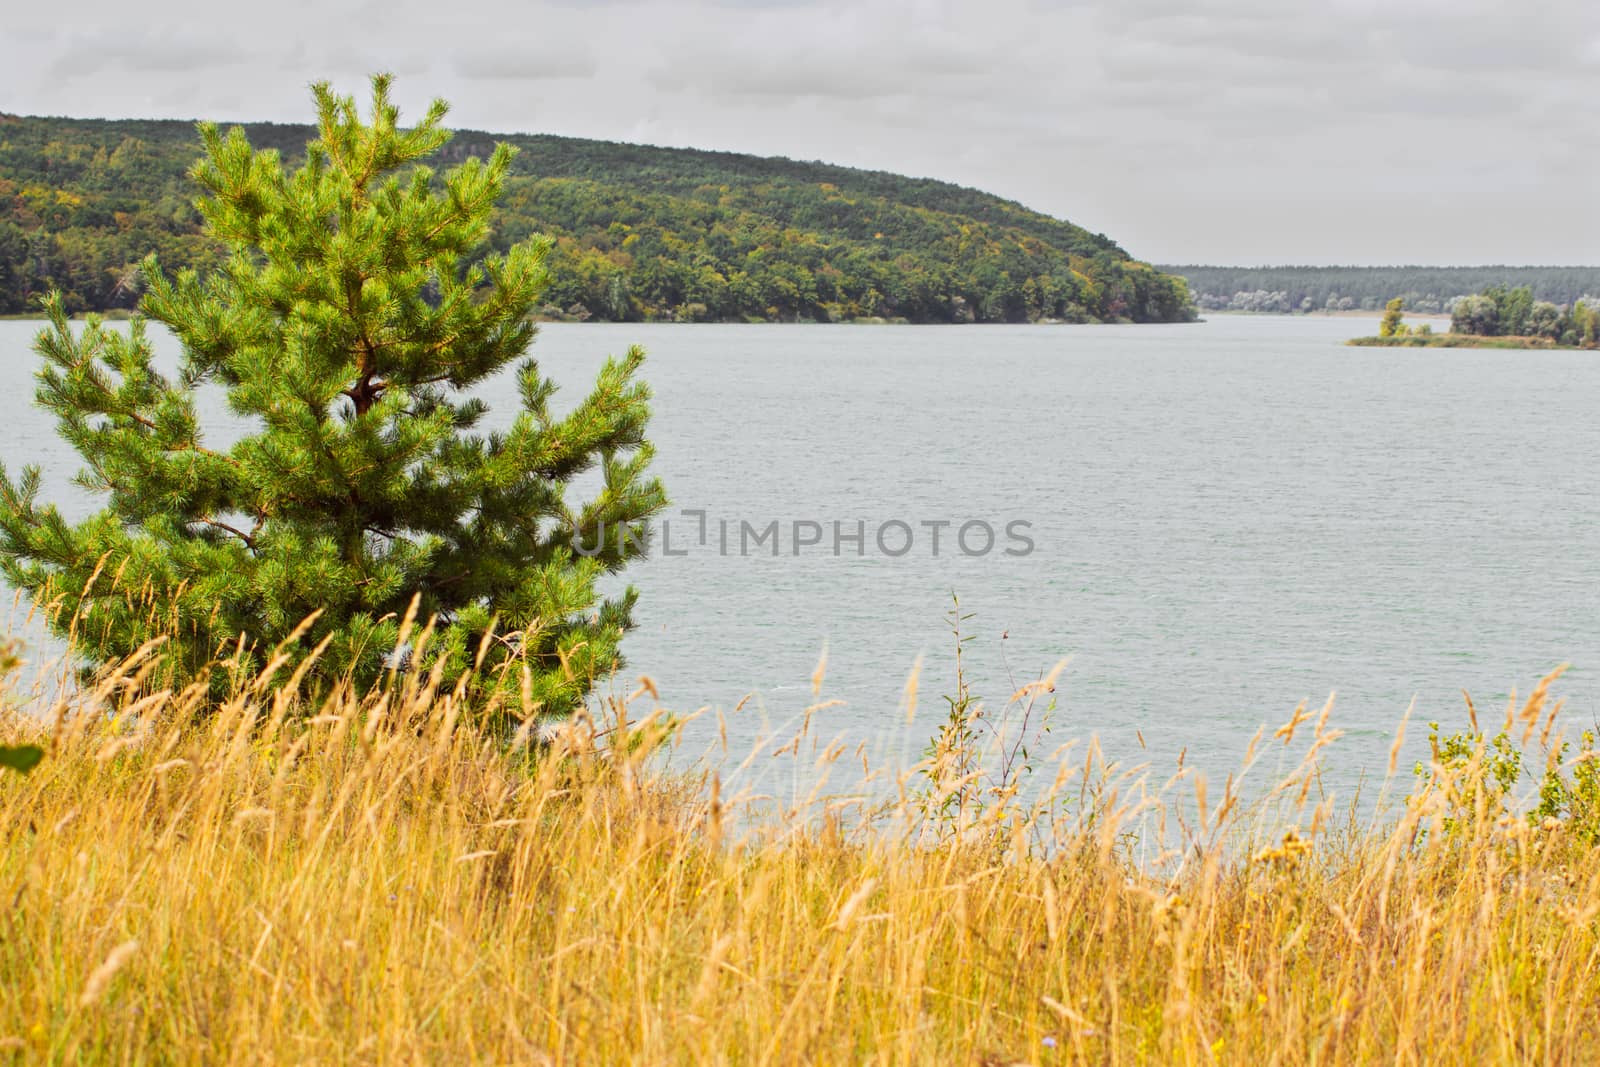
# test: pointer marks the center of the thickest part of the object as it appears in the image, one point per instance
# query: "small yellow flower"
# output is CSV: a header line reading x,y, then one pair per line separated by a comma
x,y
1292,848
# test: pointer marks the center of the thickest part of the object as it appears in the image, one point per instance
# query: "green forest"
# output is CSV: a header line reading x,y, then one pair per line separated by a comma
x,y
1287,290
1500,311
637,233
1498,317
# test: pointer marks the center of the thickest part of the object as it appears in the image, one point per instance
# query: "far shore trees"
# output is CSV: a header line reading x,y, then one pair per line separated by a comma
x,y
1392,328
1498,317
1477,315
1499,311
350,318
1426,290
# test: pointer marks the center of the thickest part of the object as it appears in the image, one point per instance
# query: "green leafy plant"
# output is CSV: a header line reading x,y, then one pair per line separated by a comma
x,y
354,312
19,758
1473,769
1572,797
977,762
954,756
1479,774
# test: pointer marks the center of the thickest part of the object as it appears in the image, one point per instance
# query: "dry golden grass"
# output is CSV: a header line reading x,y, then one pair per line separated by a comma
x,y
374,883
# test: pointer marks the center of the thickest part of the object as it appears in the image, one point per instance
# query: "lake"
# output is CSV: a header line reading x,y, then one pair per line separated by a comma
x,y
1211,522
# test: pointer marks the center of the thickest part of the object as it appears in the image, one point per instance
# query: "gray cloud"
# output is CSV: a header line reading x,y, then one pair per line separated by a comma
x,y
528,62
141,51
1223,130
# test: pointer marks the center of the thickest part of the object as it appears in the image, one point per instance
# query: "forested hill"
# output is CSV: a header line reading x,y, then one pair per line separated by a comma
x,y
1304,289
640,232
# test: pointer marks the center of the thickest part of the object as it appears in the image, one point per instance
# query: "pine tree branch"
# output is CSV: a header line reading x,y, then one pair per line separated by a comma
x,y
366,392
187,446
249,541
454,579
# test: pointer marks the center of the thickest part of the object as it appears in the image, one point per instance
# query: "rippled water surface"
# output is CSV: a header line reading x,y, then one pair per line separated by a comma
x,y
1227,518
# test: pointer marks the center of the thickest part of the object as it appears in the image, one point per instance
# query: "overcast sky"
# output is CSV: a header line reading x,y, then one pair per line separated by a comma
x,y
1235,131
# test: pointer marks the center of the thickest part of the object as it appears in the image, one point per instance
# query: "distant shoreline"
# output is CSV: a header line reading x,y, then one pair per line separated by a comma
x,y
1354,313
1465,340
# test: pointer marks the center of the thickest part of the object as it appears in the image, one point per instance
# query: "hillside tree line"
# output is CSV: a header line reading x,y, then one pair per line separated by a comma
x,y
635,233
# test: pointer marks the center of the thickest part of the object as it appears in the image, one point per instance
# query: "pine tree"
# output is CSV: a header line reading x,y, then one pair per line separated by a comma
x,y
353,314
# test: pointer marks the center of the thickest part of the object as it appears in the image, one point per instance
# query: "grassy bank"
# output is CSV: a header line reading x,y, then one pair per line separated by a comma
x,y
375,883
1457,340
